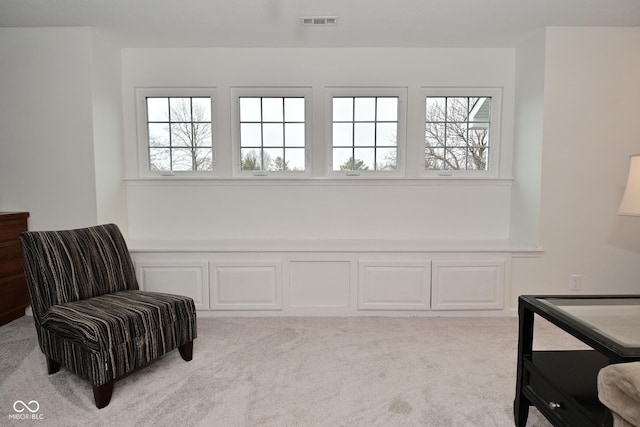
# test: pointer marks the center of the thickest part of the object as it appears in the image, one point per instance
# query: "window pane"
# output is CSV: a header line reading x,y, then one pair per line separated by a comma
x,y
478,136
434,158
181,135
294,109
342,159
158,109
434,134
386,160
481,110
455,158
267,125
250,135
364,159
272,135
374,124
456,135
201,109
365,109
159,159
294,134
460,125
295,159
273,159
386,134
342,134
204,159
158,135
387,109
182,159
364,134
250,110
457,109
250,159
342,109
435,109
202,134
477,159
272,110
180,109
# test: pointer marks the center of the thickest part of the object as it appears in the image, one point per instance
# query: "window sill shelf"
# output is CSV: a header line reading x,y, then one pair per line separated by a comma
x,y
210,180
332,246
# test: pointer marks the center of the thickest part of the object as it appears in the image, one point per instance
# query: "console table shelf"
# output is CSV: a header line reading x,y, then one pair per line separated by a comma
x,y
562,384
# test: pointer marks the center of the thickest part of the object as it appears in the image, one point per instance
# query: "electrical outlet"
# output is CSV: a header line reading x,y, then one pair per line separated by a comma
x,y
575,282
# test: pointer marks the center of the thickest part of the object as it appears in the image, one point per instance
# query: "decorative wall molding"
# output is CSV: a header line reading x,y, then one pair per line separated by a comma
x,y
326,283
394,285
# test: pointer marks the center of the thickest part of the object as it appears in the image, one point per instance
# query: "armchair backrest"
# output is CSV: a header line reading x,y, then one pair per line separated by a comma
x,y
70,265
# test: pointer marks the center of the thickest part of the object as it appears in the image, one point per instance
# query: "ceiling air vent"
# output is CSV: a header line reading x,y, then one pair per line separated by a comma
x,y
319,20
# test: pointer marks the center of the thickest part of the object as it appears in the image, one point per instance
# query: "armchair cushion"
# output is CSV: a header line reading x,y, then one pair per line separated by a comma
x,y
109,320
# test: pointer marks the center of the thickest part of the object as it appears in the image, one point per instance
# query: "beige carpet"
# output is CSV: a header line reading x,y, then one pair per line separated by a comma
x,y
292,372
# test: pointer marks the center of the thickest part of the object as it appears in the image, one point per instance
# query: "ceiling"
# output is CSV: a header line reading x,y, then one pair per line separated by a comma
x,y
276,23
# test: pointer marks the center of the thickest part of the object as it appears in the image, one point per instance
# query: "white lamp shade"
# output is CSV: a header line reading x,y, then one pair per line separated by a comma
x,y
630,204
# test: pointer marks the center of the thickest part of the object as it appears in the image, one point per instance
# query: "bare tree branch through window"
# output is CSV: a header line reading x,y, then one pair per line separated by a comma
x,y
457,133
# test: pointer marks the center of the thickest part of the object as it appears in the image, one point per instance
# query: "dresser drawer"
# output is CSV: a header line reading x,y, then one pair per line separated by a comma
x,y
14,293
11,229
14,296
10,260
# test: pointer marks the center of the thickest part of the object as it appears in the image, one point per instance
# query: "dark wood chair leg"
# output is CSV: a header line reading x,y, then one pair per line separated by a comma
x,y
52,366
102,394
186,351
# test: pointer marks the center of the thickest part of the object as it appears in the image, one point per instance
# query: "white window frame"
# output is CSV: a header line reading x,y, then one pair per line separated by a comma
x,y
401,94
142,93
495,93
284,92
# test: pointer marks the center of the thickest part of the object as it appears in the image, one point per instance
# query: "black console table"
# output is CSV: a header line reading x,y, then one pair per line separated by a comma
x,y
563,384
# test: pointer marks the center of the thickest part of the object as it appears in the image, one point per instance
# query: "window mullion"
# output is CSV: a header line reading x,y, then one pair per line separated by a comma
x,y
353,135
375,130
262,133
284,140
170,134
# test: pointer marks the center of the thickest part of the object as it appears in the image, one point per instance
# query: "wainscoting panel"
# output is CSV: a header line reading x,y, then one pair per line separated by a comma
x,y
467,285
319,283
188,278
393,286
303,278
246,286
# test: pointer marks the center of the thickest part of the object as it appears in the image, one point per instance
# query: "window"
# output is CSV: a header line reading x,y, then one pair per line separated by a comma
x,y
272,134
460,131
365,130
272,131
456,132
177,131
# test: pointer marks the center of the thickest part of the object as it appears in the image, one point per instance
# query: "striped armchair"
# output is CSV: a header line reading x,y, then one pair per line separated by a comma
x,y
90,315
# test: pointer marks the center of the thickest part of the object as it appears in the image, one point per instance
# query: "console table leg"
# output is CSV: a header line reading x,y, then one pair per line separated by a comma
x,y
525,348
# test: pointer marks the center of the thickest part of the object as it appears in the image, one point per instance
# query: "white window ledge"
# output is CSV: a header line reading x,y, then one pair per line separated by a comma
x,y
334,245
322,181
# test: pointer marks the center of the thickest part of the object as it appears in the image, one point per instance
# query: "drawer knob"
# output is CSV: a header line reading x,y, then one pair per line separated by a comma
x,y
554,405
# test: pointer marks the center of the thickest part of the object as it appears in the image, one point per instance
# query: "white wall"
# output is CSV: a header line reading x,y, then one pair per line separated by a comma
x,y
107,130
591,107
58,158
46,151
405,210
527,158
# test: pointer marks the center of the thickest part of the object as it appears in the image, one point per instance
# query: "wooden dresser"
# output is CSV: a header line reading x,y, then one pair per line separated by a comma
x,y
14,296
